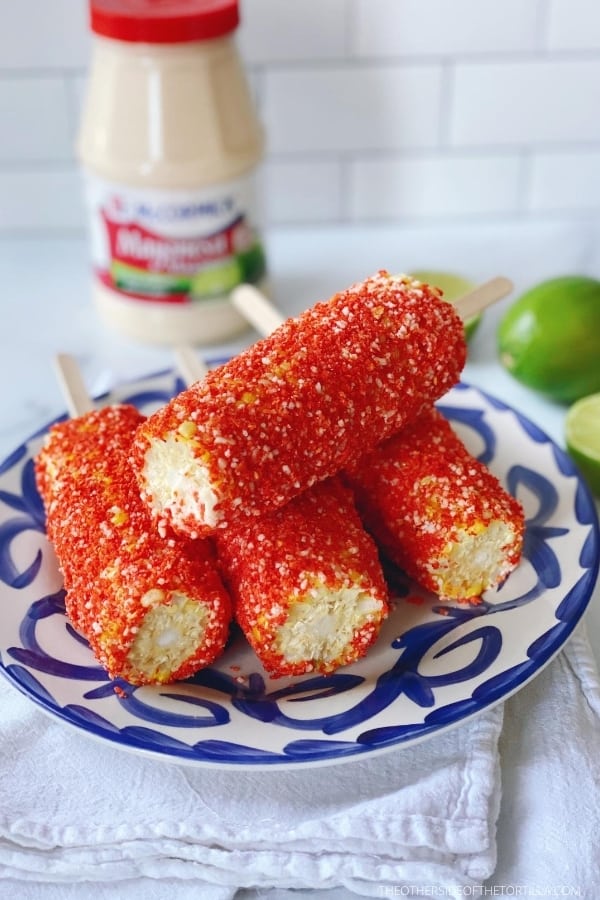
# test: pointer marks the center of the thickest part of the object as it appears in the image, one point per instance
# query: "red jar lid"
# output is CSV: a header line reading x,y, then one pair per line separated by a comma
x,y
163,21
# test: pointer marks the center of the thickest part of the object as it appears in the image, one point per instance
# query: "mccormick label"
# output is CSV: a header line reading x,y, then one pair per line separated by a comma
x,y
174,246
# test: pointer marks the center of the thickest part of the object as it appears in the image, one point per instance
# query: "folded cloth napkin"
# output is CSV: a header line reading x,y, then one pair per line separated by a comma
x,y
549,825
79,819
76,812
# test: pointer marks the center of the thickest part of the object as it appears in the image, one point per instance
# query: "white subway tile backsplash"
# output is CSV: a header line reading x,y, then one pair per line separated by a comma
x,y
574,25
345,108
41,199
408,187
303,191
373,109
531,102
40,35
425,27
563,181
286,30
35,119
77,86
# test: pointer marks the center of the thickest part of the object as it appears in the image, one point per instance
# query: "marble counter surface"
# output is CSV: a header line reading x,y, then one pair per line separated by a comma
x,y
46,308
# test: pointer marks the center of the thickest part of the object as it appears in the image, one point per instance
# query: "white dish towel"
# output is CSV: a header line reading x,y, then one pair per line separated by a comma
x,y
79,818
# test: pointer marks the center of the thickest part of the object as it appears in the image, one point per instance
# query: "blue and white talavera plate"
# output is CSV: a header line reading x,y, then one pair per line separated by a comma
x,y
434,666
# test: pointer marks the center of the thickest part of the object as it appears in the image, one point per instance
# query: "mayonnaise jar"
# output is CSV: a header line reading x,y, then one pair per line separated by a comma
x,y
170,144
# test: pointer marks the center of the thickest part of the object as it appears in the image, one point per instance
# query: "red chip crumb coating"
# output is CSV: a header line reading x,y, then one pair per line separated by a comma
x,y
438,512
299,405
153,610
308,588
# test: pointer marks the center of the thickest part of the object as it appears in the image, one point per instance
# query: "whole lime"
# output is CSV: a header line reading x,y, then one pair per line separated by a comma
x,y
453,286
549,338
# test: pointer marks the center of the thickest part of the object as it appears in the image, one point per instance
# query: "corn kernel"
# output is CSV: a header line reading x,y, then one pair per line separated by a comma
x,y
187,429
119,516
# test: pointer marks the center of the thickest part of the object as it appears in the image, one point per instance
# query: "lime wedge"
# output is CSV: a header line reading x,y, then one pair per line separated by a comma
x,y
453,287
582,436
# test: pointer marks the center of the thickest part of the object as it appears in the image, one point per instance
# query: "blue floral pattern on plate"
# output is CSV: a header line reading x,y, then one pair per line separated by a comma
x,y
434,665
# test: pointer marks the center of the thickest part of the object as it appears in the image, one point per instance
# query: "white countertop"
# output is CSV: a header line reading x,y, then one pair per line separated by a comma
x,y
46,306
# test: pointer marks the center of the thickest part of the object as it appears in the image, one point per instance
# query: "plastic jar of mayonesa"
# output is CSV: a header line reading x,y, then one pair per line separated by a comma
x,y
170,144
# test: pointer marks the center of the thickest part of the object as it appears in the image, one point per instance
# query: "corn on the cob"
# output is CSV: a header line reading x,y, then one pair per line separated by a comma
x,y
438,512
306,580
299,405
153,610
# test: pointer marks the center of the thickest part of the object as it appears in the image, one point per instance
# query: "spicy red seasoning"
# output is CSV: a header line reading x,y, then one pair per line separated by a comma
x,y
299,405
437,511
308,588
153,610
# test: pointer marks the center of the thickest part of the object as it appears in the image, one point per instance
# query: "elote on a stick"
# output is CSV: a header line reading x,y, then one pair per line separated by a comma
x,y
299,405
306,581
154,610
437,511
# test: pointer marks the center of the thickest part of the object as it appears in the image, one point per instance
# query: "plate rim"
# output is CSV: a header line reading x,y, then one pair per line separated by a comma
x,y
355,751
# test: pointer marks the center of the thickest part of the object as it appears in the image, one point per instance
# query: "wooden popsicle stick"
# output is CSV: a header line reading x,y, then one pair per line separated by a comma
x,y
75,392
191,366
483,296
71,382
264,316
256,308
